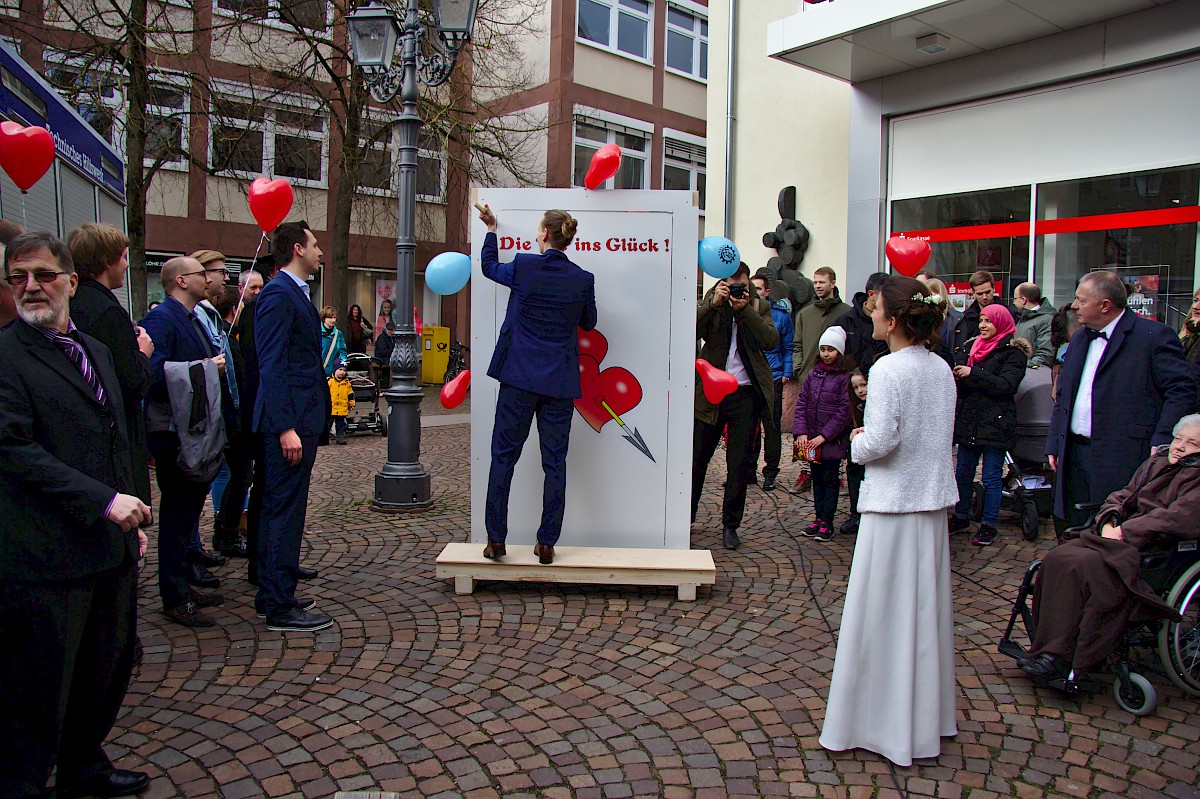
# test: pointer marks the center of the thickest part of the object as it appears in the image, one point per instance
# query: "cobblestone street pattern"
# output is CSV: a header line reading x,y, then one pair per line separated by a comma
x,y
590,691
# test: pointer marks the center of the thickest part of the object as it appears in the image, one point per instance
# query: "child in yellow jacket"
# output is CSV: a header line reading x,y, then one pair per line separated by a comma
x,y
341,394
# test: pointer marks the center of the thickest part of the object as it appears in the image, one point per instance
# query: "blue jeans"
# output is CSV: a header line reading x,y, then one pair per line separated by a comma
x,y
993,480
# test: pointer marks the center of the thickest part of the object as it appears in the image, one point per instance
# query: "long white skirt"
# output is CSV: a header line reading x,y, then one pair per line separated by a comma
x,y
893,688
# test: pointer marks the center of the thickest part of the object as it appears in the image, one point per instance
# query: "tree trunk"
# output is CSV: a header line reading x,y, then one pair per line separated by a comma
x,y
349,169
137,182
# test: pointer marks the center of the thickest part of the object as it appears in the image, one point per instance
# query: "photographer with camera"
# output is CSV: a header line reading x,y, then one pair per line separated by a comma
x,y
736,327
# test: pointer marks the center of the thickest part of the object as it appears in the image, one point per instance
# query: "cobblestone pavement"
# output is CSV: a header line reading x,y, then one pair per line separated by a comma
x,y
561,691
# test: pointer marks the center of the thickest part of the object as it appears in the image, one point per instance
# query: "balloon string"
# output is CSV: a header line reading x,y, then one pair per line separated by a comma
x,y
24,224
246,284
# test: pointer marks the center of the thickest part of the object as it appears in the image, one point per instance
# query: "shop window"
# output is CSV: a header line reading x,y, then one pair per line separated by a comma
x,y
967,232
687,42
619,25
380,156
1142,226
683,167
309,14
251,139
591,135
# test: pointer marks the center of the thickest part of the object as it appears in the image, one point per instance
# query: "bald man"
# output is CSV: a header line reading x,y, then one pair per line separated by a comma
x,y
178,336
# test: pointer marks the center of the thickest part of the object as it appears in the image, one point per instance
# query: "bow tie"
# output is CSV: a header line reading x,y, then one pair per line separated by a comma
x,y
1092,335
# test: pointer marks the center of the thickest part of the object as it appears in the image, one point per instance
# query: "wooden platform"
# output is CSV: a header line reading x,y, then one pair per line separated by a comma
x,y
685,569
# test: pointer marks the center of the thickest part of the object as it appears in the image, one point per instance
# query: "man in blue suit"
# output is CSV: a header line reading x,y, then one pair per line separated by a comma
x,y
177,336
1123,386
291,414
537,363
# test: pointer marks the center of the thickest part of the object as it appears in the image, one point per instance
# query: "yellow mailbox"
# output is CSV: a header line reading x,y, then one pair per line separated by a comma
x,y
435,353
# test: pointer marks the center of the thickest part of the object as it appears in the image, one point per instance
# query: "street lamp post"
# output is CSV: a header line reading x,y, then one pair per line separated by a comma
x,y
402,483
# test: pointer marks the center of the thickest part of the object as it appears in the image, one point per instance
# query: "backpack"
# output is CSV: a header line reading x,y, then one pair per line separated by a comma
x,y
194,392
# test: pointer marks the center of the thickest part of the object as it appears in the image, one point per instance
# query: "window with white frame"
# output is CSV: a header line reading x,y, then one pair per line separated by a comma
x,y
251,139
619,25
591,135
683,167
381,156
310,14
97,91
687,42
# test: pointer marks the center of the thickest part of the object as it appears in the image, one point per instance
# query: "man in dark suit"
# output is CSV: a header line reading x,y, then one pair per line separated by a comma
x,y
178,337
1123,386
69,552
101,255
537,363
291,412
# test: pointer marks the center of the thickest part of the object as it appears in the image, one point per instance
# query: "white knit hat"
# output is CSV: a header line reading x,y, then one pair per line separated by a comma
x,y
834,337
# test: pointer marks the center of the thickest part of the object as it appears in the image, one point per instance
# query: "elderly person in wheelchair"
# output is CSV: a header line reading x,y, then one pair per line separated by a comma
x,y
1090,587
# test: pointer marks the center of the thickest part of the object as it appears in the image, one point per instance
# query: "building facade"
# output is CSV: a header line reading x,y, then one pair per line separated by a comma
x,y
1037,140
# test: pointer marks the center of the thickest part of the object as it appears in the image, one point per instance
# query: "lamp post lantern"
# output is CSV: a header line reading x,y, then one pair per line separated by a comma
x,y
375,33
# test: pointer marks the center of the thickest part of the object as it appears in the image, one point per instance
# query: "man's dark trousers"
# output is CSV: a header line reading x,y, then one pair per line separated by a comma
x,y
258,487
1077,482
282,524
67,655
238,455
181,501
515,409
740,411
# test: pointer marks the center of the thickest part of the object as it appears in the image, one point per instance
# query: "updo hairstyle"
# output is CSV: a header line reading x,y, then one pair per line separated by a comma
x,y
561,226
917,319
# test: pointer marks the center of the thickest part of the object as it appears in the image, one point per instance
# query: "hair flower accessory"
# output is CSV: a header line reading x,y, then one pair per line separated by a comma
x,y
932,299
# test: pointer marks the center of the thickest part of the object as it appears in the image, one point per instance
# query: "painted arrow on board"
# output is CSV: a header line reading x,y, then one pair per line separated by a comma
x,y
634,437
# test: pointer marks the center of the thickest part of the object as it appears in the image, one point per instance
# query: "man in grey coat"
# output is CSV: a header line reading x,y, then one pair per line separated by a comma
x,y
1033,316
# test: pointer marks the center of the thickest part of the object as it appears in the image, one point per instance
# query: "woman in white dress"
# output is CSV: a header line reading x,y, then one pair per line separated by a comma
x,y
893,689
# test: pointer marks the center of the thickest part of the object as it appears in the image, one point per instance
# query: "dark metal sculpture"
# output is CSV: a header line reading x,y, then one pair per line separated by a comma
x,y
789,240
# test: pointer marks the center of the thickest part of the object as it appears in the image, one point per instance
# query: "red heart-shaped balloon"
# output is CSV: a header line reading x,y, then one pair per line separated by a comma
x,y
907,255
270,201
605,163
717,383
454,392
593,343
25,153
615,387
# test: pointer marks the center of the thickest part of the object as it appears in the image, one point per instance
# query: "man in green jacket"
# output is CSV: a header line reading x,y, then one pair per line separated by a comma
x,y
814,320
736,328
1033,315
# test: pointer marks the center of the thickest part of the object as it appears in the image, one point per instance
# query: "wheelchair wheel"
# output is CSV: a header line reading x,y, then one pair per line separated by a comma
x,y
977,502
1029,519
1139,698
1179,642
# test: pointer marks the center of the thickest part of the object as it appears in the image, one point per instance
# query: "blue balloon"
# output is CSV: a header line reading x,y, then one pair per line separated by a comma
x,y
718,257
448,272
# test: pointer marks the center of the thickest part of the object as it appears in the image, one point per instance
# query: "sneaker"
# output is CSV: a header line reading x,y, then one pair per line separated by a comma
x,y
302,602
958,524
985,536
824,532
803,483
768,484
850,526
201,577
210,560
297,620
189,616
207,600
812,529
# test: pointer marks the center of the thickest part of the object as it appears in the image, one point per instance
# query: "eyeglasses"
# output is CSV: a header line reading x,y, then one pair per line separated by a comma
x,y
22,278
213,272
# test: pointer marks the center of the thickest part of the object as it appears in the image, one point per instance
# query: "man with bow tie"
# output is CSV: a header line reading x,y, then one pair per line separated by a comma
x,y
1123,386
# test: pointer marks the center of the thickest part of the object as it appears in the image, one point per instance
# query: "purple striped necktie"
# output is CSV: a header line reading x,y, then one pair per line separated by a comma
x,y
71,347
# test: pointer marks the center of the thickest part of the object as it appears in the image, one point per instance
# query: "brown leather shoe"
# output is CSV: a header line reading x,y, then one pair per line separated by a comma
x,y
545,553
494,551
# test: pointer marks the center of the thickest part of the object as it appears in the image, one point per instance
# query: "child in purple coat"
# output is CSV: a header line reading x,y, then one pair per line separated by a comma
x,y
823,420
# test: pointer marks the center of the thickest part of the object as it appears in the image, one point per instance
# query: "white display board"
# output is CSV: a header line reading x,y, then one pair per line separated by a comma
x,y
629,462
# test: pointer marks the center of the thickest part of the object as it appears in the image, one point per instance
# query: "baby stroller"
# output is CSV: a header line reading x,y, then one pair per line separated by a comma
x,y
366,414
1028,488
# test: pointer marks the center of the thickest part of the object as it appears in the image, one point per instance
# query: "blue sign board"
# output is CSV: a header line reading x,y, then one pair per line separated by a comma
x,y
25,97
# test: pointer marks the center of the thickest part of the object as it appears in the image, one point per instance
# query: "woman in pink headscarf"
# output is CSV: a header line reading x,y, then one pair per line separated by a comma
x,y
985,417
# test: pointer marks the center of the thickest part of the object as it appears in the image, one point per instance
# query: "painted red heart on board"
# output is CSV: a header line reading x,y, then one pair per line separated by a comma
x,y
616,387
593,343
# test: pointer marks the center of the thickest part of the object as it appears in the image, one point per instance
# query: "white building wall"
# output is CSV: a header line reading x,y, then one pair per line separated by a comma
x,y
790,129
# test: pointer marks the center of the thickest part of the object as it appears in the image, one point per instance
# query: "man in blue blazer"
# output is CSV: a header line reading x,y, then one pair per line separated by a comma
x,y
291,414
177,336
537,363
1123,386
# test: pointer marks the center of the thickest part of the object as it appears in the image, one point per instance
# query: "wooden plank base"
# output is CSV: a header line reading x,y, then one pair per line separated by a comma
x,y
686,569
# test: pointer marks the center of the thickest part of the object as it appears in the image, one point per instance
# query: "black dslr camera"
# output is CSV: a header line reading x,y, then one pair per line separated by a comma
x,y
737,290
